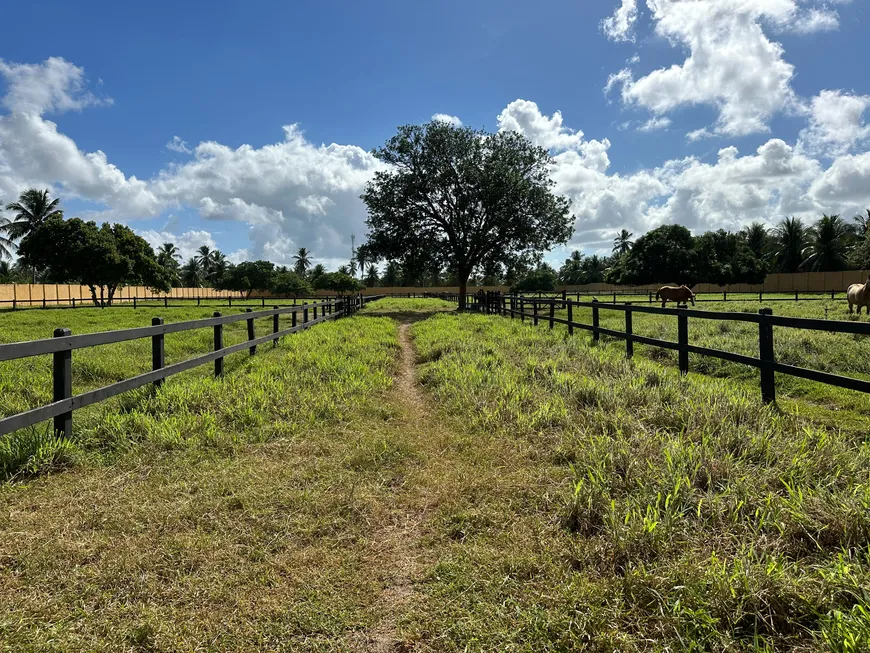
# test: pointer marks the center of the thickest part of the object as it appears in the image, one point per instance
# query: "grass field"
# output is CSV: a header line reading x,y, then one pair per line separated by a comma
x,y
411,479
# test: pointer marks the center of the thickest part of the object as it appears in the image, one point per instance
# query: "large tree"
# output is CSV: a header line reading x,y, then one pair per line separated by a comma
x,y
542,278
663,255
286,282
248,276
464,197
338,282
191,273
103,258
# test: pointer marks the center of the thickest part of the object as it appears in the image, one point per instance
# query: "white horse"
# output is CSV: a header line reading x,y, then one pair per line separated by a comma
x,y
858,294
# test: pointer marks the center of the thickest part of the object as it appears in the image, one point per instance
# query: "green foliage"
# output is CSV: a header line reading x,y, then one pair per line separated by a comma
x,y
464,198
829,242
371,279
338,282
32,209
790,239
663,255
724,258
289,283
302,260
541,278
103,258
248,276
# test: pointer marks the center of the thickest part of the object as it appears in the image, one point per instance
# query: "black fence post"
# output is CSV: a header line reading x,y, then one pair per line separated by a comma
x,y
522,310
264,301
683,341
293,323
134,302
197,300
275,326
230,299
832,294
564,297
614,297
725,296
765,353
251,336
315,312
570,318
218,345
166,302
535,312
760,295
304,314
62,376
795,295
629,340
595,335
158,359
552,311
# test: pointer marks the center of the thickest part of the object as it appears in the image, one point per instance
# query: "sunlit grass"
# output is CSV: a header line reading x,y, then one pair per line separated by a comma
x,y
618,506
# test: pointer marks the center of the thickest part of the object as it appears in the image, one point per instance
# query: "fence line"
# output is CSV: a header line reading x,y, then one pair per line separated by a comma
x,y
64,343
514,306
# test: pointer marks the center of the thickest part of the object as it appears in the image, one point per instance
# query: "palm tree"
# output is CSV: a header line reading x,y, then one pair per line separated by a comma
x,y
362,257
204,258
756,238
7,245
218,267
571,273
168,254
862,224
343,270
594,268
32,209
828,245
622,244
191,273
316,272
6,273
303,261
789,243
372,276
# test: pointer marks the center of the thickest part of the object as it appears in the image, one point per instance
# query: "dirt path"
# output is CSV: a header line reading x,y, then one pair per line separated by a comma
x,y
398,548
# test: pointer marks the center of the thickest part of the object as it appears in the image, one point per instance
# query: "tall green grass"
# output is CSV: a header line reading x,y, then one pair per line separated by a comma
x,y
314,378
660,512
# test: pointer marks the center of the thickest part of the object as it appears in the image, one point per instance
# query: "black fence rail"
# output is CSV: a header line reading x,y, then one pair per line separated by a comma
x,y
524,307
62,345
613,296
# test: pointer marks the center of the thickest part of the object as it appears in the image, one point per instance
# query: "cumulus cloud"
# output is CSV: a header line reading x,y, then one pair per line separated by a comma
x,y
836,123
731,64
549,132
187,242
53,86
620,26
443,117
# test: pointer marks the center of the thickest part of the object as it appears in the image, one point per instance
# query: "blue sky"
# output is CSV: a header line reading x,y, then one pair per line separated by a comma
x,y
718,112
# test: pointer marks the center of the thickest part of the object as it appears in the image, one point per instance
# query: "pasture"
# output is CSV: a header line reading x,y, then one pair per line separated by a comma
x,y
415,479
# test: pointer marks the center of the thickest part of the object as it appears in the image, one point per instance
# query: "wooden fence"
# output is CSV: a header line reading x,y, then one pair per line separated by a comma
x,y
515,306
62,345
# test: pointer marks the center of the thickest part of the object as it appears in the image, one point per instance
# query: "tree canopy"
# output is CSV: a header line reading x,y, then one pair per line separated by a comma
x,y
286,282
247,277
464,198
103,258
339,282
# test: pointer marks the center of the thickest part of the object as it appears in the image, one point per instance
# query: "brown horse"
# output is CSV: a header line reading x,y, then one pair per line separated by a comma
x,y
675,294
858,294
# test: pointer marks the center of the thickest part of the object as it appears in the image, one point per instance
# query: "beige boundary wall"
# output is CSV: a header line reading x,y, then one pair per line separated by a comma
x,y
55,294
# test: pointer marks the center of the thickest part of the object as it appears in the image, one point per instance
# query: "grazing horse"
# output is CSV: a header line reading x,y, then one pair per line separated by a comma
x,y
675,294
858,294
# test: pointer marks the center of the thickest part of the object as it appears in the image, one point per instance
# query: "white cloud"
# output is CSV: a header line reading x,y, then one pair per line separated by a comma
x,y
443,117
524,116
731,64
187,242
53,86
620,26
836,123
655,123
178,145
845,186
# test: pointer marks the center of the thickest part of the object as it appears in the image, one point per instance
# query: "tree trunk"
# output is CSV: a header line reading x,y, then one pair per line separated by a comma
x,y
112,290
93,290
463,290
102,297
